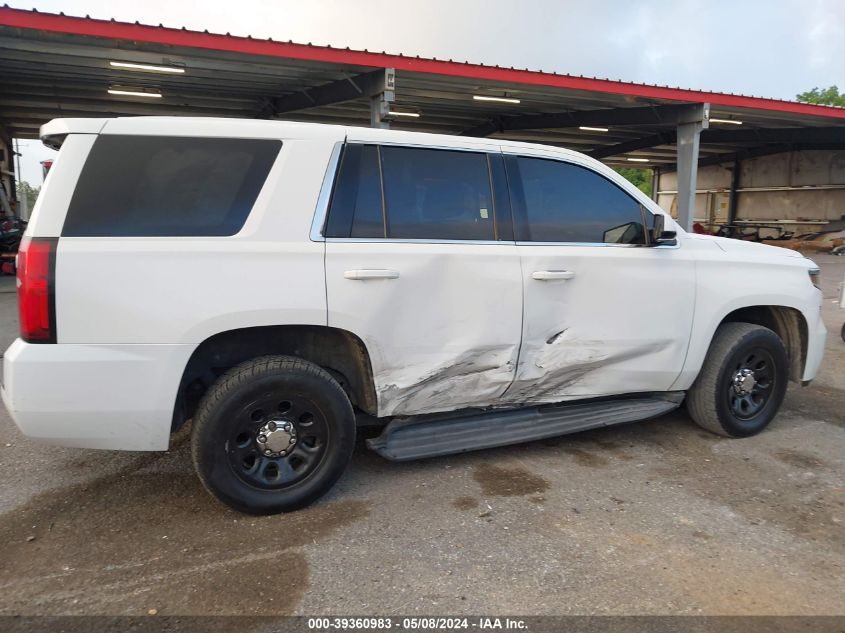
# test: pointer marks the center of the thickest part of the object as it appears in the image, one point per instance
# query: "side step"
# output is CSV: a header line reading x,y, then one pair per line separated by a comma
x,y
413,438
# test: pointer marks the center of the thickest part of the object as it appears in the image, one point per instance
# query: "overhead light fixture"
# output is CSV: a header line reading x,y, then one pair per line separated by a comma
x,y
730,121
413,115
638,160
147,67
499,99
587,128
134,93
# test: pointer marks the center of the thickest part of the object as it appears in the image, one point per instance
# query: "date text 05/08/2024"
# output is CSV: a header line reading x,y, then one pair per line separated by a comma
x,y
416,623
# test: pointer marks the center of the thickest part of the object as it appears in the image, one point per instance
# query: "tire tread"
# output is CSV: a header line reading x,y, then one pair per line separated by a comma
x,y
240,375
702,396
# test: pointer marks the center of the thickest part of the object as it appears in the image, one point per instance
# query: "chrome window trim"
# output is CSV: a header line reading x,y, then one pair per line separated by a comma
x,y
491,148
393,240
322,209
382,240
602,244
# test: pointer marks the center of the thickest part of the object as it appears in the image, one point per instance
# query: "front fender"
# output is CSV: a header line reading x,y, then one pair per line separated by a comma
x,y
712,312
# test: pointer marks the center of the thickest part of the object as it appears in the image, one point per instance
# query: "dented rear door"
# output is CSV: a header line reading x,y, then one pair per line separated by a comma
x,y
425,274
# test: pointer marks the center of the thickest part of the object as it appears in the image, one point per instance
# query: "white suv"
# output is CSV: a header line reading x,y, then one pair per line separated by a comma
x,y
278,283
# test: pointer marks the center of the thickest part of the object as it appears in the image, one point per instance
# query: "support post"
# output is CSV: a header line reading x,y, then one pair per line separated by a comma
x,y
732,200
380,103
655,182
689,133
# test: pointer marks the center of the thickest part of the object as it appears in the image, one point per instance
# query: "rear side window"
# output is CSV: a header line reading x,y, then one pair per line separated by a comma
x,y
414,193
153,186
356,207
437,194
561,202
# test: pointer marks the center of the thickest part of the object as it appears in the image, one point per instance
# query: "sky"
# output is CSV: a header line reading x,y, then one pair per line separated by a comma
x,y
771,48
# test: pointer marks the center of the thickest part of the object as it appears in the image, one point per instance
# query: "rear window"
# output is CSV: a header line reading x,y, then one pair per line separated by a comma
x,y
153,186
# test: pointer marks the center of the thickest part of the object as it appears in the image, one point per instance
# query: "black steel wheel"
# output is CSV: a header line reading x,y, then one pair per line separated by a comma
x,y
742,382
750,386
277,440
272,435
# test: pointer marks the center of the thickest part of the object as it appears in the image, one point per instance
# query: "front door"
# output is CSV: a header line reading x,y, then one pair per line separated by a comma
x,y
604,313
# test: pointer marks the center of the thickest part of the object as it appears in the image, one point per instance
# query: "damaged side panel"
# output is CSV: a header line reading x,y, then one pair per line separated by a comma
x,y
472,379
568,368
587,335
443,329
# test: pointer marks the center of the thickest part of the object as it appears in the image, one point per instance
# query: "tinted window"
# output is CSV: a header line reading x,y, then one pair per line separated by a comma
x,y
356,207
437,194
160,186
561,202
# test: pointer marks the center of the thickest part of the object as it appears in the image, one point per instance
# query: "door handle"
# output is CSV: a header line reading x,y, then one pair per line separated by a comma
x,y
372,273
549,275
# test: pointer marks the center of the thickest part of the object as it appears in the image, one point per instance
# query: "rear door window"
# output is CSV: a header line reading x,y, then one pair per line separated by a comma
x,y
437,194
419,194
152,186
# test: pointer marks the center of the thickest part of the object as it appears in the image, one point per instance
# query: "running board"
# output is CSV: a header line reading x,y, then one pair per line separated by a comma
x,y
414,438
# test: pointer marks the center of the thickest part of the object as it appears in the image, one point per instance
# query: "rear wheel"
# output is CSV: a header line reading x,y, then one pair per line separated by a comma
x,y
272,435
742,381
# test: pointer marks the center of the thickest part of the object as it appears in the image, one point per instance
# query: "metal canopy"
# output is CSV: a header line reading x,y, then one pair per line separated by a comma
x,y
55,65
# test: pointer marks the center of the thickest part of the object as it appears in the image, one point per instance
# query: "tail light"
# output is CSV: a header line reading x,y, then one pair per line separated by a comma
x,y
37,289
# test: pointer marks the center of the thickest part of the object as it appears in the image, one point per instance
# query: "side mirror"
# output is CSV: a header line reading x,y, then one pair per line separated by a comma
x,y
659,235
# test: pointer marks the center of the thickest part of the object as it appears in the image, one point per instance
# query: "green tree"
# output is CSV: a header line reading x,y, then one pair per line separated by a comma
x,y
823,96
641,178
31,193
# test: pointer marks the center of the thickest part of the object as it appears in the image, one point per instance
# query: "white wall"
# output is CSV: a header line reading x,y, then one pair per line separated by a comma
x,y
798,170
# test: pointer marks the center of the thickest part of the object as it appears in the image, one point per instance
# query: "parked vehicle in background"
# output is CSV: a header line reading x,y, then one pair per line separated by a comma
x,y
276,283
11,232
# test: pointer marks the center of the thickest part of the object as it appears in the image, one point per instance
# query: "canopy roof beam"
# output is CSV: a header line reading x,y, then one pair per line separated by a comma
x,y
363,86
649,115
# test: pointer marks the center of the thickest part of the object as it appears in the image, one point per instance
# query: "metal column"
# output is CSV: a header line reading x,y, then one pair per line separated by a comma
x,y
689,132
732,201
655,182
380,103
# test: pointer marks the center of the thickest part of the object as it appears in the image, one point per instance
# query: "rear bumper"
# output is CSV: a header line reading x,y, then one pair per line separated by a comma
x,y
118,397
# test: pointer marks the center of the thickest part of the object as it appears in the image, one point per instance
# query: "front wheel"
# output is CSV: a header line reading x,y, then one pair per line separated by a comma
x,y
272,435
742,381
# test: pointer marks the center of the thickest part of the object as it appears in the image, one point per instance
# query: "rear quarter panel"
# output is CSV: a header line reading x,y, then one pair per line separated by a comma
x,y
178,290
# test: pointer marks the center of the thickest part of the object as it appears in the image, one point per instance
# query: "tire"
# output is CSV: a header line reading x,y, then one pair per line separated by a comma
x,y
272,435
843,332
723,399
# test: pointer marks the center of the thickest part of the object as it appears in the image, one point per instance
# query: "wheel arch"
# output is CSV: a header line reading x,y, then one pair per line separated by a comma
x,y
340,352
787,322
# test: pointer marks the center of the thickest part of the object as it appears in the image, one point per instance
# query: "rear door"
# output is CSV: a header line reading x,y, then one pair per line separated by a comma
x,y
604,312
422,266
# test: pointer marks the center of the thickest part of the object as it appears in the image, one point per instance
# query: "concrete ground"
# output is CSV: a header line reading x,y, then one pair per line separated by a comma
x,y
653,518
